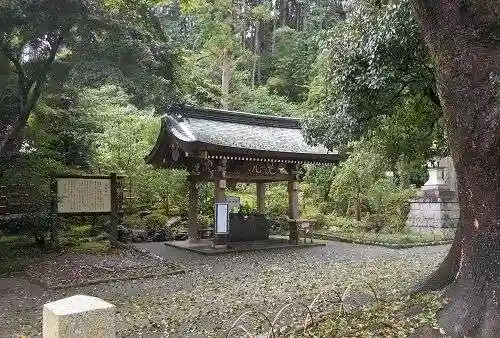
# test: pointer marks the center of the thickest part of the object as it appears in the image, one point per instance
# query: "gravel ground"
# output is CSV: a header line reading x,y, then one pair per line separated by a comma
x,y
215,290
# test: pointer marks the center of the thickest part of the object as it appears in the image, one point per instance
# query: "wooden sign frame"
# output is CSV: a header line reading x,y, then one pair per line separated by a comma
x,y
221,219
113,203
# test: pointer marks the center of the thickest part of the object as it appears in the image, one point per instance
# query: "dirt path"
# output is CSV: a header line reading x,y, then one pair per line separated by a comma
x,y
217,289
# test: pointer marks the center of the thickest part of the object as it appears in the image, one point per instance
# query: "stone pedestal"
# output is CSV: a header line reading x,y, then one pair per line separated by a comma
x,y
79,317
436,209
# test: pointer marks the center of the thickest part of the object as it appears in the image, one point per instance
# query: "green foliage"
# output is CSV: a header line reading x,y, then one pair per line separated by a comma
x,y
289,66
133,221
260,101
154,221
404,239
354,177
60,130
319,179
373,79
277,200
128,136
246,208
389,203
337,223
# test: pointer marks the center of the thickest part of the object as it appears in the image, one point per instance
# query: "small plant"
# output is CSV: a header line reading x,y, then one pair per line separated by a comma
x,y
246,209
154,222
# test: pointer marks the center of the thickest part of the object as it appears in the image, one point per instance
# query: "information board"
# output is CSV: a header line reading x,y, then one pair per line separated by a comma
x,y
233,202
221,218
83,195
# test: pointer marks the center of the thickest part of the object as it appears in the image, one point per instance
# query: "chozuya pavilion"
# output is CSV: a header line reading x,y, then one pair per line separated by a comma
x,y
226,146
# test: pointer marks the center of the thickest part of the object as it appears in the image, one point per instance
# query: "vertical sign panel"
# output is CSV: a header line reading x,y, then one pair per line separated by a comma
x,y
221,218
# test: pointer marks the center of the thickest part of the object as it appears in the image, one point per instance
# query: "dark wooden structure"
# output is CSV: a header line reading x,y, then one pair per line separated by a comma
x,y
226,146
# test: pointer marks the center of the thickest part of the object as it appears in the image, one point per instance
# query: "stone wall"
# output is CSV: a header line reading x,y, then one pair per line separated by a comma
x,y
431,216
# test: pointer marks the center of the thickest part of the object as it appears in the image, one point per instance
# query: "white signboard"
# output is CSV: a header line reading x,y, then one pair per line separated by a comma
x,y
81,195
221,218
233,202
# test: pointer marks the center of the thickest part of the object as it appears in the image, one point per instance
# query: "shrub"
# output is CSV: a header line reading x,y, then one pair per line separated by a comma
x,y
132,221
34,225
205,221
375,222
333,222
154,222
388,199
246,208
277,200
279,225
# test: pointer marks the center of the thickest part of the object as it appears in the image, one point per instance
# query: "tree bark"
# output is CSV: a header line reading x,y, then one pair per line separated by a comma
x,y
464,40
226,78
358,206
29,91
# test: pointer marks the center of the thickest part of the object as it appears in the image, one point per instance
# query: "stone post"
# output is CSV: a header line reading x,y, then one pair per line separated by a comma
x,y
261,198
79,317
193,235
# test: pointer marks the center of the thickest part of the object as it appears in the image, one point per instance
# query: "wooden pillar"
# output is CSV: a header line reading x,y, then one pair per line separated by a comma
x,y
193,235
293,210
261,198
220,191
113,225
220,197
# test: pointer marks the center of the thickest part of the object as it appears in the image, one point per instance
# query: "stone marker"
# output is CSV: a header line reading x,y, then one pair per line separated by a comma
x,y
79,316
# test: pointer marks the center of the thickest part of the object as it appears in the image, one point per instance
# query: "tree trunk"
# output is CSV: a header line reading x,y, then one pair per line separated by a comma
x,y
464,41
256,76
29,91
358,206
226,78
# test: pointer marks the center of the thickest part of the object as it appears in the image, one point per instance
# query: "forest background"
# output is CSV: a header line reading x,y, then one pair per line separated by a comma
x,y
356,72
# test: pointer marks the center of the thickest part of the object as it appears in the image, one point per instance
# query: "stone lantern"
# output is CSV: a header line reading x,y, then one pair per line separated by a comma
x,y
436,207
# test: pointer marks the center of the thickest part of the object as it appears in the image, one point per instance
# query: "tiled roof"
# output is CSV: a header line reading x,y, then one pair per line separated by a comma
x,y
229,134
237,133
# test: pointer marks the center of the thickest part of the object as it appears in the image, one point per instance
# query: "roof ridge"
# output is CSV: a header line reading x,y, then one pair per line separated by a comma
x,y
236,116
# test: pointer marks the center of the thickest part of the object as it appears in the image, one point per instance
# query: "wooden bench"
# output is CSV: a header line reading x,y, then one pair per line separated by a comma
x,y
306,228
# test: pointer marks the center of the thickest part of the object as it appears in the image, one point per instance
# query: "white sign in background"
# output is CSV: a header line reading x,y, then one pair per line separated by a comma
x,y
233,201
79,195
221,218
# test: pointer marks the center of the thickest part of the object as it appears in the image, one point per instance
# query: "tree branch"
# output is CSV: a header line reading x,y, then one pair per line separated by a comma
x,y
27,102
40,80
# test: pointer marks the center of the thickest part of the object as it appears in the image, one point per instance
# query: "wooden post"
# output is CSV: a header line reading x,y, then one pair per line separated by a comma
x,y
220,191
261,197
193,235
113,224
293,210
55,224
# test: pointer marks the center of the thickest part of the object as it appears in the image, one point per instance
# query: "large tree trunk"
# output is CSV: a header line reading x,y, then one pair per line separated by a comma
x,y
464,41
